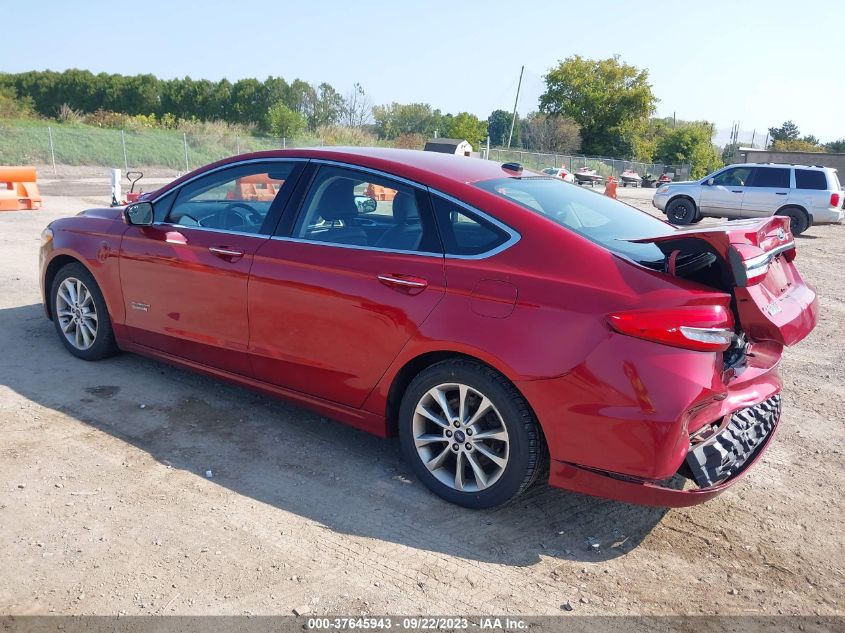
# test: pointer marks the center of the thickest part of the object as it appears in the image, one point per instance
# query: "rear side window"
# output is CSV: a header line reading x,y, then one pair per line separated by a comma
x,y
463,232
810,179
770,177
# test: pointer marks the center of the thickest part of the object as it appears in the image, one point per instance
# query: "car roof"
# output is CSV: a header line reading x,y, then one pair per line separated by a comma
x,y
818,167
402,162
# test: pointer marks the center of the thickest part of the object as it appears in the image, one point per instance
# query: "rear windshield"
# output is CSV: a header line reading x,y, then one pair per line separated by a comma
x,y
600,219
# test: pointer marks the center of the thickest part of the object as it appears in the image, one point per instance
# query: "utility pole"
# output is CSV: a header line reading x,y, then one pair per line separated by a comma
x,y
515,103
674,120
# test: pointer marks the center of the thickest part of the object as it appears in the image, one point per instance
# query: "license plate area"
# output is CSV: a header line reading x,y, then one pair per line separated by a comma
x,y
725,453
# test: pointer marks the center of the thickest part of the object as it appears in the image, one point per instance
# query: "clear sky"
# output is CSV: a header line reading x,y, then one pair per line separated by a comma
x,y
755,62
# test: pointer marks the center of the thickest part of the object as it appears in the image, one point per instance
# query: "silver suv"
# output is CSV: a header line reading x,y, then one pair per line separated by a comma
x,y
807,195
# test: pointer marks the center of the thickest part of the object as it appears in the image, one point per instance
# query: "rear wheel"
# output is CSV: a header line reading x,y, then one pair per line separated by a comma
x,y
80,315
469,435
798,220
681,211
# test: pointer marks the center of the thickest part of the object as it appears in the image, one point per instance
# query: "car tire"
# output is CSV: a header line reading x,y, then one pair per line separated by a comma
x,y
493,431
798,220
681,211
80,315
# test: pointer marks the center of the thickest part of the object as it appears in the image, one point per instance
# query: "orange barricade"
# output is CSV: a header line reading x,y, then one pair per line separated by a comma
x,y
380,193
610,187
256,188
18,189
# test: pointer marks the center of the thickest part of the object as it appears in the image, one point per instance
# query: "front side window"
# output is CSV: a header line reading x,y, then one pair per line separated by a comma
x,y
733,177
770,177
810,179
344,206
235,199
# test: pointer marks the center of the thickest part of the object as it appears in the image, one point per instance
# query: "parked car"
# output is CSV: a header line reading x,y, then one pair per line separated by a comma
x,y
449,316
806,195
664,179
560,172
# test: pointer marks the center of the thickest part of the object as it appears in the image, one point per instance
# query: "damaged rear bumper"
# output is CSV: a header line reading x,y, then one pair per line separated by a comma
x,y
715,461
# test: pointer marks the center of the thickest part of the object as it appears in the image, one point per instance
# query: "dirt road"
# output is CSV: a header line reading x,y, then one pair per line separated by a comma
x,y
105,506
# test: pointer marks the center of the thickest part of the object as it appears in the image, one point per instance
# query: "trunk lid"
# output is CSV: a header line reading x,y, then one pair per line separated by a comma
x,y
772,301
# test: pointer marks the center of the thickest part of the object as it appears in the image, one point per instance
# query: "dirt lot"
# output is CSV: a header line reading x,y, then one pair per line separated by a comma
x,y
105,507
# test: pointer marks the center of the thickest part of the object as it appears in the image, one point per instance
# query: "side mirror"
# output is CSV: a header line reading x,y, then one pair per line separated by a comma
x,y
139,214
709,182
366,204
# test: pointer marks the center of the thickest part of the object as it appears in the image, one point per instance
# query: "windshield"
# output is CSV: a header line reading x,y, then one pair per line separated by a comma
x,y
600,219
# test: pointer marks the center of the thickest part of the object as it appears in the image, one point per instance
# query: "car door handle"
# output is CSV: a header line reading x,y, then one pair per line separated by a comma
x,y
735,191
405,283
223,252
780,193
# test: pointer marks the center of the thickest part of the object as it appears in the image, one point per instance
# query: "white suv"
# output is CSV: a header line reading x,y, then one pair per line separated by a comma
x,y
807,195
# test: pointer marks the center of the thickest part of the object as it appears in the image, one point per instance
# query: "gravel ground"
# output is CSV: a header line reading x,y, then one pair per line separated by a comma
x,y
105,506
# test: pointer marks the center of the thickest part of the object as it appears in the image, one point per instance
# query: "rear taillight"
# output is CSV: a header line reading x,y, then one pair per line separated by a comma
x,y
755,262
834,199
706,328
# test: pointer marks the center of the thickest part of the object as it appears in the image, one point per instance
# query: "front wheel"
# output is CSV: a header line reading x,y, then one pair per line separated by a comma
x,y
681,211
80,315
469,435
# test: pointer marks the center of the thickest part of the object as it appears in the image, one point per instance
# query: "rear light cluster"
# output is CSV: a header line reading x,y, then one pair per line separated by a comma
x,y
705,328
834,199
755,262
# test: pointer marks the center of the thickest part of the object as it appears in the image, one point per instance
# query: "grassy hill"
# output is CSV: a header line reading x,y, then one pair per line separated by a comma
x,y
27,141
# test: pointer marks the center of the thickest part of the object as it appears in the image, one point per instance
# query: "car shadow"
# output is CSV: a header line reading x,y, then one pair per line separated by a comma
x,y
295,460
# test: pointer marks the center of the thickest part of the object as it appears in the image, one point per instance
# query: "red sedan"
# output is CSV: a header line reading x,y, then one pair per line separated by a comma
x,y
506,326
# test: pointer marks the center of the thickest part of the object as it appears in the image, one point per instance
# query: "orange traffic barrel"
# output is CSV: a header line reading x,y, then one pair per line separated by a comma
x,y
610,187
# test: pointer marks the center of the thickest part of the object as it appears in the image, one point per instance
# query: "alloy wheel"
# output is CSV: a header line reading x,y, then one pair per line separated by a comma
x,y
77,313
460,436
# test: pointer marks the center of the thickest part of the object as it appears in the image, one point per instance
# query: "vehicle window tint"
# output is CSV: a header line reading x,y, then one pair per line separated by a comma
x,y
770,177
463,232
734,177
234,199
344,206
810,179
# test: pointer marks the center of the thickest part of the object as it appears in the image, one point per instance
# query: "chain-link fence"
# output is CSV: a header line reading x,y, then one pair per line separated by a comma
x,y
36,143
603,166
752,138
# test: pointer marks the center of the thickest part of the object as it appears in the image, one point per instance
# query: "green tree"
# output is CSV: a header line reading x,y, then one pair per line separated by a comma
x,y
796,145
328,107
729,151
690,143
284,122
786,132
301,98
499,127
412,118
12,107
247,105
551,133
607,98
836,146
467,126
